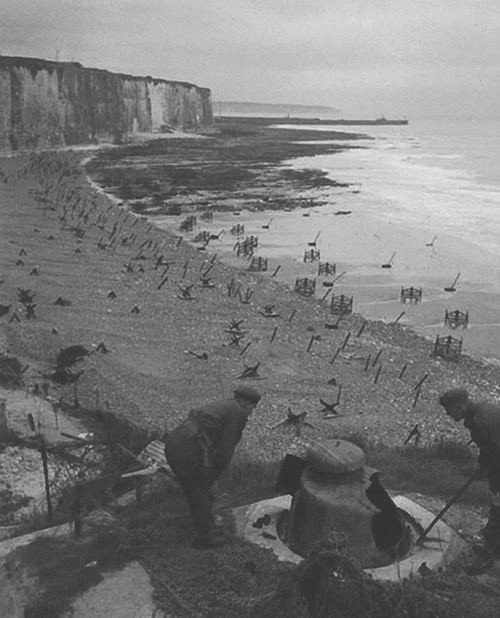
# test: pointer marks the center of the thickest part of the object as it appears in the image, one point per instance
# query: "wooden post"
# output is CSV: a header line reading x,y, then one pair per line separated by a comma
x,y
417,395
419,384
274,333
45,467
335,355
245,348
360,332
377,356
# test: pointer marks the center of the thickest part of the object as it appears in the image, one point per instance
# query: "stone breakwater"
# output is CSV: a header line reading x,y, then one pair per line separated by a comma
x,y
46,104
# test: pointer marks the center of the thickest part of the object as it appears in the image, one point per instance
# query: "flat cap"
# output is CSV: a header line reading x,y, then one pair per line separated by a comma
x,y
247,393
454,396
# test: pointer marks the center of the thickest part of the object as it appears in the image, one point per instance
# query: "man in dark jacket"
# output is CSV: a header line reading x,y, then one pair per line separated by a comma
x,y
482,419
200,449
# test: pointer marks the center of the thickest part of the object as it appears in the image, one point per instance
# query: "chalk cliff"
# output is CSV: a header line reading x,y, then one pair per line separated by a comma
x,y
47,104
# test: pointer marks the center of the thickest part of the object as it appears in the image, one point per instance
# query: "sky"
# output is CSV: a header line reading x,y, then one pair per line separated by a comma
x,y
412,58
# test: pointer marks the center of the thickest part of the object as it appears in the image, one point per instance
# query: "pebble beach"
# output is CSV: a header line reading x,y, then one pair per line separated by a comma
x,y
167,353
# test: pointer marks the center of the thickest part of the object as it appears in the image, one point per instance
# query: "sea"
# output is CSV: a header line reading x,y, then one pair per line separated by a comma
x,y
423,200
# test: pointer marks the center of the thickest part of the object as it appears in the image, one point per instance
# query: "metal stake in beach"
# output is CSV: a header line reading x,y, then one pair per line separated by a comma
x,y
266,227
348,336
377,356
431,244
337,352
276,270
377,374
420,382
417,395
389,263
338,277
452,288
415,432
313,243
311,341
360,331
399,317
403,369
45,467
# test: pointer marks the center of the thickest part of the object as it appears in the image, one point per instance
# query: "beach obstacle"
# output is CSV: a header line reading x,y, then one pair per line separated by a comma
x,y
452,288
250,372
245,298
389,263
360,331
246,247
311,255
313,242
411,294
295,420
237,230
206,283
305,286
207,215
30,311
266,226
269,312
335,325
447,347
186,292
326,268
235,338
399,317
188,224
456,318
329,410
203,236
431,244
341,305
414,433
258,264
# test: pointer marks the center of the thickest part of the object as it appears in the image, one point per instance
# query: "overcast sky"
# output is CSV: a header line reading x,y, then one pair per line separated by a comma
x,y
391,57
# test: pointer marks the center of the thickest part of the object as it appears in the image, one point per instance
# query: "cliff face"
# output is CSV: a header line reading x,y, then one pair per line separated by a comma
x,y
48,104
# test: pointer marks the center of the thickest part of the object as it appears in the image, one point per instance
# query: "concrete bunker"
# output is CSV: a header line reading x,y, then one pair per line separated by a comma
x,y
331,490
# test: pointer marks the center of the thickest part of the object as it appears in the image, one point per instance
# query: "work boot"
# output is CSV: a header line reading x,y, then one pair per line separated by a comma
x,y
491,532
210,541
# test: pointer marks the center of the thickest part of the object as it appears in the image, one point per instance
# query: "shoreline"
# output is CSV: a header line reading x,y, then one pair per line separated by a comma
x,y
150,378
358,243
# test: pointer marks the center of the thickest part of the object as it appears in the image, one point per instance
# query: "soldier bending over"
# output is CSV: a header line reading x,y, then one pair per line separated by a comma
x,y
200,449
482,419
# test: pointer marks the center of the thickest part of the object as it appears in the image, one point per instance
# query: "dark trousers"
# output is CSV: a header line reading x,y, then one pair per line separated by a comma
x,y
184,455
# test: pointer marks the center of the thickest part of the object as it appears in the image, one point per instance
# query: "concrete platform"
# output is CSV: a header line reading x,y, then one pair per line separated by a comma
x,y
442,547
